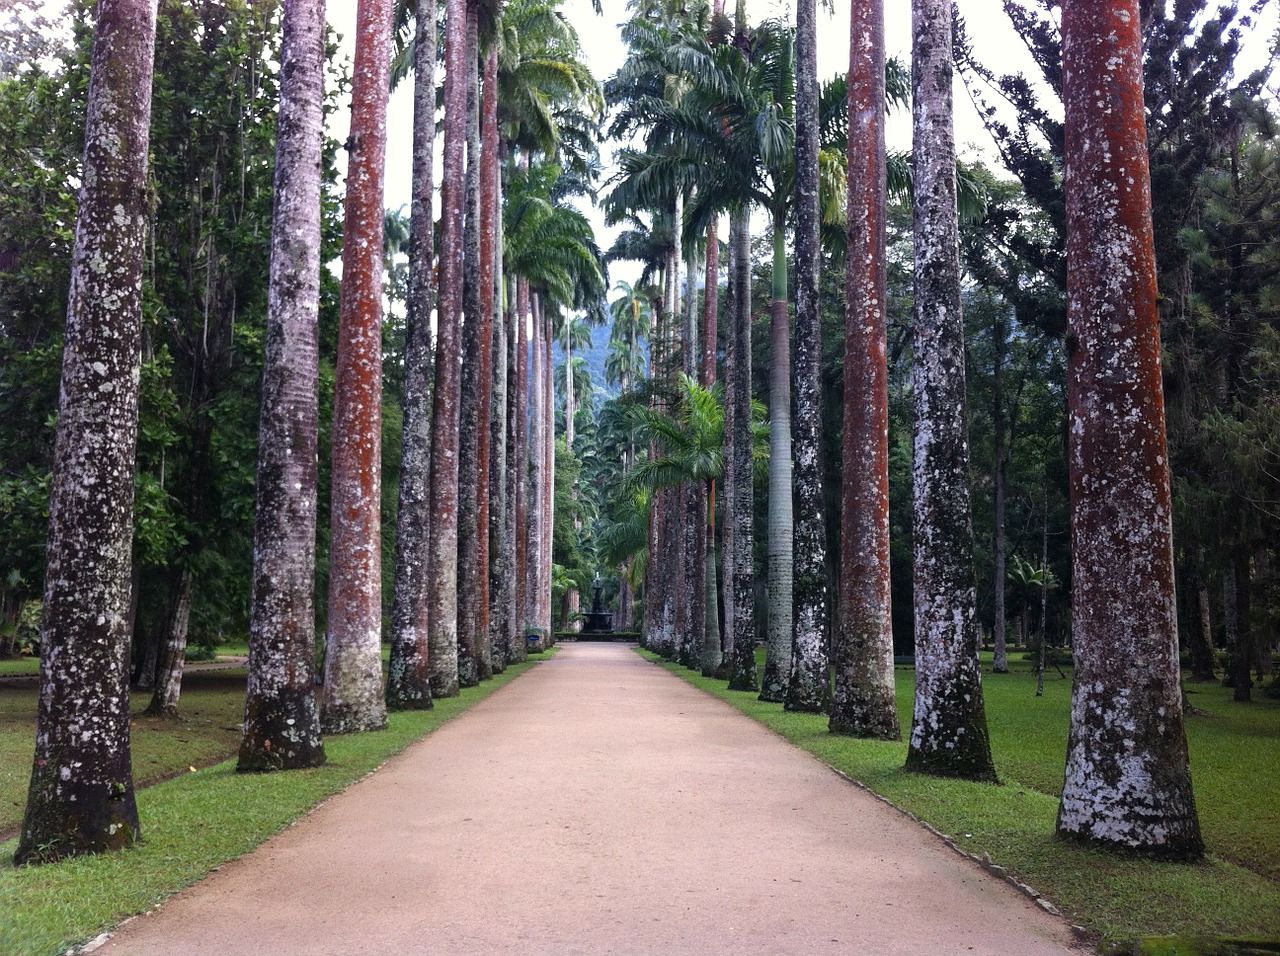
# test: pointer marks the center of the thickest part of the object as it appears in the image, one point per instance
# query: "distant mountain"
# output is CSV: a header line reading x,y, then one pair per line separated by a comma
x,y
596,353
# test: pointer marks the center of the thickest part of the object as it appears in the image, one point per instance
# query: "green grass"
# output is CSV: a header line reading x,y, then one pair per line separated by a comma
x,y
19,666
1235,767
191,824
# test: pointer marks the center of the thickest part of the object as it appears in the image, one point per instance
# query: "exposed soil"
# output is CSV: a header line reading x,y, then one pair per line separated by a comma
x,y
600,805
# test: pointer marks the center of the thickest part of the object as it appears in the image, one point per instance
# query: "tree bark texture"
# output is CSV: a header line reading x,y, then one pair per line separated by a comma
x,y
1127,784
282,715
81,798
548,482
537,478
862,646
1001,663
949,726
739,559
353,698
470,424
499,563
781,521
521,409
517,467
809,685
168,682
408,677
442,614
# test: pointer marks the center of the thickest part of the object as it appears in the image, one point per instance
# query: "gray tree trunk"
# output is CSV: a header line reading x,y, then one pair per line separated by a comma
x,y
353,699
1001,663
949,726
537,479
739,559
809,686
1127,783
282,715
863,702
442,614
81,798
500,571
408,678
168,682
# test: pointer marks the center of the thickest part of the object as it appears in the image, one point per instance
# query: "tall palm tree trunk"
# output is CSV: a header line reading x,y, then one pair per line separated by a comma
x,y
352,699
781,524
949,725
499,570
808,688
548,482
81,798
1127,782
470,425
537,478
739,558
862,701
408,675
520,408
442,615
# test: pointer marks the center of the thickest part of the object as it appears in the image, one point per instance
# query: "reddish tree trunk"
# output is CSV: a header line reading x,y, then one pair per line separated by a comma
x,y
1127,784
81,798
862,646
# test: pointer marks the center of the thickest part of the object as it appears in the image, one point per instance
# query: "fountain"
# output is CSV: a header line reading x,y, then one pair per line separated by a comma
x,y
598,620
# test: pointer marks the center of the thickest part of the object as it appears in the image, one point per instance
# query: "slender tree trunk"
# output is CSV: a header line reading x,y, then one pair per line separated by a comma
x,y
168,683
499,570
809,685
442,614
712,657
1127,783
353,699
81,798
1202,654
282,715
863,701
522,466
949,726
1001,663
739,559
470,424
537,478
1242,649
548,483
781,530
408,676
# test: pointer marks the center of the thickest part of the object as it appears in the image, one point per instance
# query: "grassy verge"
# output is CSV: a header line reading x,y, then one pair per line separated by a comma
x,y
19,666
1117,898
191,824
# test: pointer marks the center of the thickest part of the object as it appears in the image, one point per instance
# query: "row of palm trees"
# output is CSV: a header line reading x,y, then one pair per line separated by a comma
x,y
726,118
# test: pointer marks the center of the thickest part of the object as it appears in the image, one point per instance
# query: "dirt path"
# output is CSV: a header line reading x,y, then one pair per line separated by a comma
x,y
599,805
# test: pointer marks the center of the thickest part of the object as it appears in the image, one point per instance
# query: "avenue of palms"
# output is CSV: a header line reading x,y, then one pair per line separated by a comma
x,y
836,376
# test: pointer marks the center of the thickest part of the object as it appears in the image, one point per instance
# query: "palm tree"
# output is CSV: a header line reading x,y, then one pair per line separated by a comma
x,y
949,727
573,333
1128,782
81,798
408,676
863,702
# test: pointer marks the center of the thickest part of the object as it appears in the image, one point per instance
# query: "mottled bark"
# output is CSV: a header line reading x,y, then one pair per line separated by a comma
x,y
442,623
352,698
1127,783
739,560
470,425
949,727
168,682
809,685
548,482
781,523
408,683
520,409
81,798
537,477
862,702
500,561
694,496
711,658
282,716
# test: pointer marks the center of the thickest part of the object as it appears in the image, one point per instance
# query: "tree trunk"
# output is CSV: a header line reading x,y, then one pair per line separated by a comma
x,y
499,564
537,478
781,524
949,726
472,585
408,678
168,682
712,658
282,716
809,684
1202,654
1001,663
863,703
1242,649
739,559
1127,783
522,465
81,798
548,482
353,698
442,614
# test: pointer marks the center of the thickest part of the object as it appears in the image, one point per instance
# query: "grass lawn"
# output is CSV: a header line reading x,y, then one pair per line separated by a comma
x,y
19,666
190,823
1235,759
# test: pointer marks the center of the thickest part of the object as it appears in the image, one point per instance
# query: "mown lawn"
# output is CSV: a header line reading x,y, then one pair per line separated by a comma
x,y
1235,757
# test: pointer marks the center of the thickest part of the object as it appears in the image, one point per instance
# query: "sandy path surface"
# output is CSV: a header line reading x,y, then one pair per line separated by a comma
x,y
599,805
